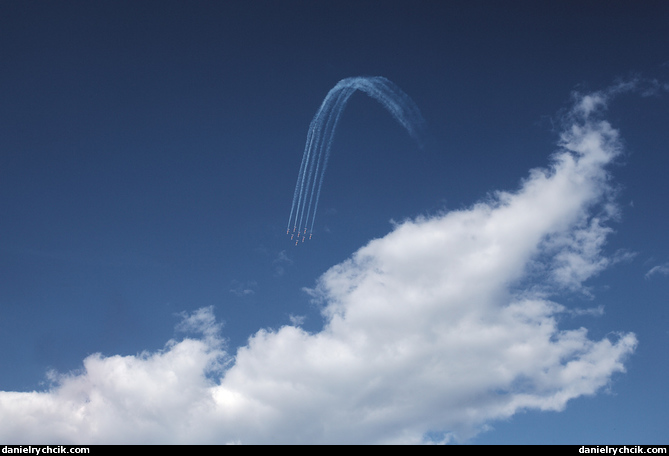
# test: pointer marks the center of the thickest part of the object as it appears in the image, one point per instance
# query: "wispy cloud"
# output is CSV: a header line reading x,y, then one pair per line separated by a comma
x,y
593,311
241,289
297,320
660,269
438,328
280,262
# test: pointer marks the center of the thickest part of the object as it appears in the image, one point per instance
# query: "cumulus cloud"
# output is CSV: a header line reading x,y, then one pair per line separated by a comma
x,y
438,328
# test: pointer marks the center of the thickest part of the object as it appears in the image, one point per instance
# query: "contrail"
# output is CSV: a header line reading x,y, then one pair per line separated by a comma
x,y
321,134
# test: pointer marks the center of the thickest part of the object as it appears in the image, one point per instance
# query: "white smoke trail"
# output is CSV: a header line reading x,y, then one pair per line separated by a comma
x,y
321,133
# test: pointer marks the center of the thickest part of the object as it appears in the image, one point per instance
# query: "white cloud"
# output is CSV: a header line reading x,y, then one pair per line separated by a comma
x,y
297,320
240,289
593,311
659,269
280,261
440,327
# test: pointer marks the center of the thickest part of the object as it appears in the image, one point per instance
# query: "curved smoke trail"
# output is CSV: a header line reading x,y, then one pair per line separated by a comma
x,y
320,137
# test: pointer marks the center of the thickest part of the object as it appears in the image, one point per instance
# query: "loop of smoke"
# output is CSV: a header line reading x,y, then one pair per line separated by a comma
x,y
321,132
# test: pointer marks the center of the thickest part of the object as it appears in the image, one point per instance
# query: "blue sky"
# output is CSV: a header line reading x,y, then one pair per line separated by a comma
x,y
148,290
